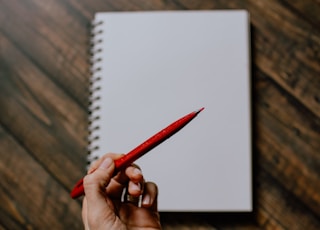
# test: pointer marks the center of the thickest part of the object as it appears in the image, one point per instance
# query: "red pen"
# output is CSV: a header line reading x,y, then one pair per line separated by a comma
x,y
143,148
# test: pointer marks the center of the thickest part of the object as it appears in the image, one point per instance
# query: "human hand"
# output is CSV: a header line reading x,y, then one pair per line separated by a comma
x,y
102,204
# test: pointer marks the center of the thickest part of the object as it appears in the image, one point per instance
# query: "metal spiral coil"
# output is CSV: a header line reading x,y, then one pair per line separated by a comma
x,y
94,89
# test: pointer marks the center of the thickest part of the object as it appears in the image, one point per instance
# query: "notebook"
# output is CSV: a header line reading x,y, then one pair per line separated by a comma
x,y
151,68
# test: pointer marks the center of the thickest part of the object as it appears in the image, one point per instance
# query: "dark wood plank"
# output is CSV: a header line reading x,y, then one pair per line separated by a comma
x,y
307,9
59,42
42,117
278,209
292,176
30,197
285,49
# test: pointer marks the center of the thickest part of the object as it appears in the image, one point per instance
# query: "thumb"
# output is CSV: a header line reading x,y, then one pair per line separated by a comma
x,y
95,191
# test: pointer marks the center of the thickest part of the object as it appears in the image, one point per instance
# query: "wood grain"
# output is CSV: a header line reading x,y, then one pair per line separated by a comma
x,y
30,195
44,81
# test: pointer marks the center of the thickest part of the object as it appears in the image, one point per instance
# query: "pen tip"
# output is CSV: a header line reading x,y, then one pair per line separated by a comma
x,y
200,110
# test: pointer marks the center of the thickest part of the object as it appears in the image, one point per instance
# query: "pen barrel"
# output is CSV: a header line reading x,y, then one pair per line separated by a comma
x,y
153,141
143,148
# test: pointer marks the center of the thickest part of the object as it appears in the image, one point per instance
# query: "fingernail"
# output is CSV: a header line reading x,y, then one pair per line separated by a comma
x,y
137,171
106,163
136,187
146,199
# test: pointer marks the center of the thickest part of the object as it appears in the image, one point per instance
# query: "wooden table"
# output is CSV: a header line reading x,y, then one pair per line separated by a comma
x,y
44,79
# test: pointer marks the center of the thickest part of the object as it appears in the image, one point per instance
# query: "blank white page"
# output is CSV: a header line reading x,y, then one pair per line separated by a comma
x,y
158,66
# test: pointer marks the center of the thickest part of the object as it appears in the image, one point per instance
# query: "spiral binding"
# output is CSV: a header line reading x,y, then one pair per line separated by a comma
x,y
94,89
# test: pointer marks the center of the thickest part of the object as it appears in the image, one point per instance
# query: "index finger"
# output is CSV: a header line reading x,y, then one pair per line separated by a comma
x,y
96,163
